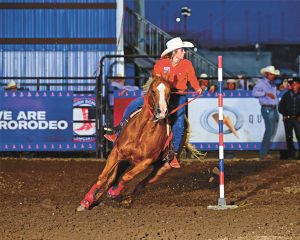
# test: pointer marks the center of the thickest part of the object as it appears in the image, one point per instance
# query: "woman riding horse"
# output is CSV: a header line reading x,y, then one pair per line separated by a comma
x,y
180,72
141,143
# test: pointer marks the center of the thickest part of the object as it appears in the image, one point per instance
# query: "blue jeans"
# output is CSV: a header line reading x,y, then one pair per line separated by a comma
x,y
178,120
132,107
271,118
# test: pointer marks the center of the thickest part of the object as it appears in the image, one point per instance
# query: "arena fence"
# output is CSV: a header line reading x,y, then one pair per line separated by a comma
x,y
100,114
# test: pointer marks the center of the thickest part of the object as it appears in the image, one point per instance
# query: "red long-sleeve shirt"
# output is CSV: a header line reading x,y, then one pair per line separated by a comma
x,y
182,73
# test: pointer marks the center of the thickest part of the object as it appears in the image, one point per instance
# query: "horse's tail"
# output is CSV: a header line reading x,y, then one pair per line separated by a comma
x,y
197,154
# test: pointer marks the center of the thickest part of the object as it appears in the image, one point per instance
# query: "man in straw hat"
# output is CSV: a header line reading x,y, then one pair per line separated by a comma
x,y
231,84
179,71
204,83
11,85
265,90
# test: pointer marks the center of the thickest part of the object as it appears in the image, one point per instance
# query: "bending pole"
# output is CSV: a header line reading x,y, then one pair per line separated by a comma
x,y
221,201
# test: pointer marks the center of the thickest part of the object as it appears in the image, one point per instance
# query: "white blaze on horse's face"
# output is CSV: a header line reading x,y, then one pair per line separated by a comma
x,y
162,101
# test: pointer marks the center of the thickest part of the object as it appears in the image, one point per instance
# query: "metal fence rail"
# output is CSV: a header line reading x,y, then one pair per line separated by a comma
x,y
80,84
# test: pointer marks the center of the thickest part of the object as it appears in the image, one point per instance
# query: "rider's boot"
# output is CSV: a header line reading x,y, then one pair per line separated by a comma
x,y
90,197
113,133
111,137
174,163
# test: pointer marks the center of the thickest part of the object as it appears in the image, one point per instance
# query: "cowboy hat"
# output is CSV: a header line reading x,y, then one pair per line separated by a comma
x,y
231,81
174,44
204,75
270,69
11,84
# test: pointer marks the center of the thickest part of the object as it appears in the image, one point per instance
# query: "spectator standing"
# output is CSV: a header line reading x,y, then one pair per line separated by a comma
x,y
231,84
284,85
204,83
289,107
265,90
11,86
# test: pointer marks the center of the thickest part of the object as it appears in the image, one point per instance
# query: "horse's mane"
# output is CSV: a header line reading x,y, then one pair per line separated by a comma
x,y
150,81
147,85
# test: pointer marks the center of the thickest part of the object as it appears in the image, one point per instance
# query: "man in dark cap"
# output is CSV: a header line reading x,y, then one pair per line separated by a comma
x,y
289,107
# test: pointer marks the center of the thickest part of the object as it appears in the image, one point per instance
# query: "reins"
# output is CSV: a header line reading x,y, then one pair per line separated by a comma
x,y
146,103
175,109
186,103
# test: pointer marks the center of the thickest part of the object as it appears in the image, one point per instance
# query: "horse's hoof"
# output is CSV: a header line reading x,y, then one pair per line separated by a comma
x,y
81,208
111,196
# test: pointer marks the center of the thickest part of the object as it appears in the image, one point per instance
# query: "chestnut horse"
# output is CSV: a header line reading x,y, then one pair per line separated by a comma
x,y
141,143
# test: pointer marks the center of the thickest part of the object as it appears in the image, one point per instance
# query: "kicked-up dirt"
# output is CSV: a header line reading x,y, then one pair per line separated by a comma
x,y
39,198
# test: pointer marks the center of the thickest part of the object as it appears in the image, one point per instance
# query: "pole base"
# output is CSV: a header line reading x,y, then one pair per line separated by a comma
x,y
221,205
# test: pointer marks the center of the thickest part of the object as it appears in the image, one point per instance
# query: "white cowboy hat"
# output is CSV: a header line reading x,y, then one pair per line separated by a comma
x,y
174,44
270,69
11,84
231,81
204,75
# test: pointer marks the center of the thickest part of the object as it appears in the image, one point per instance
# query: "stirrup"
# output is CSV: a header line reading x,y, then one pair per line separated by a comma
x,y
109,130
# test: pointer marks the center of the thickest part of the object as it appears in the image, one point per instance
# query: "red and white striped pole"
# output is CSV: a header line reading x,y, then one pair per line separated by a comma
x,y
221,201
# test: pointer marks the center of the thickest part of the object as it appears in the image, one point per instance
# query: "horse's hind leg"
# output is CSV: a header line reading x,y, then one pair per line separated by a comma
x,y
154,176
156,166
101,185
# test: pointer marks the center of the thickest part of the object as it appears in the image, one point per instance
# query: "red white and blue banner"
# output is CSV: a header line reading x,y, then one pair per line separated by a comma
x,y
43,121
243,124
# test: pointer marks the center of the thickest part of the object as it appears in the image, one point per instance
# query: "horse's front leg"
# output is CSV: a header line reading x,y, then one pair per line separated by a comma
x,y
140,167
101,185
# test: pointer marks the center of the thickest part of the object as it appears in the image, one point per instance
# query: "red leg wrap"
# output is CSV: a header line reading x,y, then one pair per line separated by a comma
x,y
115,191
90,197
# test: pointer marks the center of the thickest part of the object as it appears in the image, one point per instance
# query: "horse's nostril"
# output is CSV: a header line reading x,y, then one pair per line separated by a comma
x,y
158,110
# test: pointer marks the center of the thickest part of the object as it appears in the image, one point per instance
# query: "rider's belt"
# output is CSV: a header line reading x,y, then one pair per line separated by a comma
x,y
177,90
268,106
291,116
180,91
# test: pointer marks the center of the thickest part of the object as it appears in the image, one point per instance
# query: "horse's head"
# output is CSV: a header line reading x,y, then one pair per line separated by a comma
x,y
158,97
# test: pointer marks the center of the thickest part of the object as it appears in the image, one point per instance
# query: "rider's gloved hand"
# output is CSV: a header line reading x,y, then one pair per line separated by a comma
x,y
199,91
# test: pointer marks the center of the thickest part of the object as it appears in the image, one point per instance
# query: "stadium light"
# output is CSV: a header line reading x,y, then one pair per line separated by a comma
x,y
185,12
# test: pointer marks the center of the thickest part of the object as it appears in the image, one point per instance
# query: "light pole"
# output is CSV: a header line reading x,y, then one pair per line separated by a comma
x,y
257,47
298,61
185,12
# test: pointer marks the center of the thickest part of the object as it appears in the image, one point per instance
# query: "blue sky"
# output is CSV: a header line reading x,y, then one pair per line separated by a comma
x,y
245,21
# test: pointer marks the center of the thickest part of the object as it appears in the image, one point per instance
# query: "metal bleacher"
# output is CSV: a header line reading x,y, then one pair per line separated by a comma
x,y
146,38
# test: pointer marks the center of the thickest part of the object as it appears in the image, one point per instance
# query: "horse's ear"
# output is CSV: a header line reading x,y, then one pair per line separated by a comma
x,y
157,75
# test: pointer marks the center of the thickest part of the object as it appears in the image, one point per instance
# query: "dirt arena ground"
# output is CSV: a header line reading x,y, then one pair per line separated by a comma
x,y
39,198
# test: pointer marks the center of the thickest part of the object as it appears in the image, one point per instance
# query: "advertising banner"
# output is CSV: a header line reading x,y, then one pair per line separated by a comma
x,y
121,100
243,124
39,121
